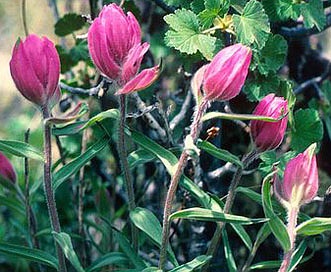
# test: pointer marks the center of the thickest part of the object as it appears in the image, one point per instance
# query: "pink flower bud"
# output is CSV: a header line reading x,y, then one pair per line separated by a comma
x,y
226,74
35,69
269,135
6,169
114,41
300,183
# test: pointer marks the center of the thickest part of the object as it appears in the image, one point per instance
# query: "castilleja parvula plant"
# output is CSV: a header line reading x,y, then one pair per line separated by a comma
x,y
150,125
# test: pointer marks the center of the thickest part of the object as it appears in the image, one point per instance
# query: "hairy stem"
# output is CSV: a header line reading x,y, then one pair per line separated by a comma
x,y
195,130
49,193
216,239
122,152
292,222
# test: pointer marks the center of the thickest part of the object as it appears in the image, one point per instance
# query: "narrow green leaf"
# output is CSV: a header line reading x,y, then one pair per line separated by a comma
x,y
314,226
146,221
73,167
30,254
219,153
256,197
297,255
124,244
140,156
266,265
243,235
21,149
276,225
152,269
192,265
170,162
209,215
112,258
228,252
81,125
64,240
234,116
12,204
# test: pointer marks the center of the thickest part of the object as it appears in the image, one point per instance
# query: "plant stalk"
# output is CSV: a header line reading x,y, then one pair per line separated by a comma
x,y
216,239
122,152
194,133
292,222
49,193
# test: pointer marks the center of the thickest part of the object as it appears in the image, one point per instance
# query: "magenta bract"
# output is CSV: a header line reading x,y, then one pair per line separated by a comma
x,y
6,169
35,69
300,182
114,41
269,135
226,74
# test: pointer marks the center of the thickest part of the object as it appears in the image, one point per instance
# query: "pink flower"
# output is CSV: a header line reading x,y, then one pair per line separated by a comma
x,y
6,169
114,41
269,135
224,77
300,183
35,69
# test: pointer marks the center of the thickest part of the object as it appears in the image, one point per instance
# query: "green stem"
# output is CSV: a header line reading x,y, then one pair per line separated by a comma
x,y
292,222
122,152
49,193
216,239
195,130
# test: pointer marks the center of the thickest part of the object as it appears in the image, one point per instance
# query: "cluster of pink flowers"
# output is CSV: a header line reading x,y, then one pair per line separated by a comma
x,y
114,42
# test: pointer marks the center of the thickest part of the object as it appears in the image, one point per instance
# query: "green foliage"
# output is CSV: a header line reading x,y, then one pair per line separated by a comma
x,y
276,225
68,24
308,129
252,26
21,149
146,221
314,226
64,240
272,55
228,252
112,258
31,254
185,36
192,265
214,216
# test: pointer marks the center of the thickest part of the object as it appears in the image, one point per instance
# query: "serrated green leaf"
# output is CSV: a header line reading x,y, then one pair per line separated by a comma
x,y
272,55
308,129
219,153
65,59
112,258
30,254
282,10
68,24
184,34
64,240
73,167
21,149
313,14
202,214
146,221
80,52
269,158
192,265
314,226
228,252
276,225
252,26
207,17
260,86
